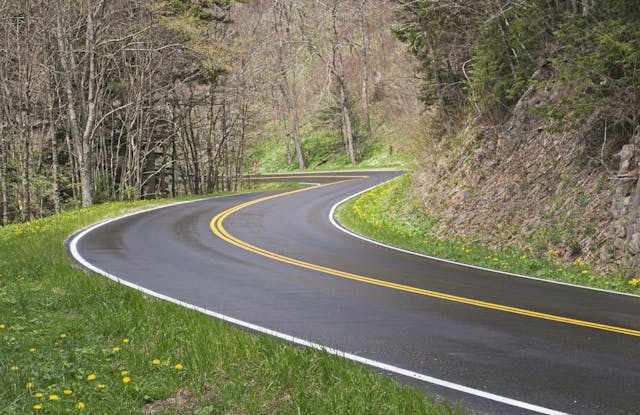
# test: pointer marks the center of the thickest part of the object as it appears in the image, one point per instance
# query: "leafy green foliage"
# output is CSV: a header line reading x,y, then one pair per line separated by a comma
x,y
498,48
432,32
505,55
599,63
205,10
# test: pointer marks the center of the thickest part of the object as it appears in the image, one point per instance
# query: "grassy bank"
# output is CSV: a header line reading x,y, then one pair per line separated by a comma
x,y
323,150
72,342
390,214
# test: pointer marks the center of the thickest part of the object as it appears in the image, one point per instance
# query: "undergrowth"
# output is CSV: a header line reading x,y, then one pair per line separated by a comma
x,y
323,150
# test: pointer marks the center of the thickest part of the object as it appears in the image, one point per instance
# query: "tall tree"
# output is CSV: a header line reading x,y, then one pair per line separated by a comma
x,y
81,113
282,11
338,71
365,66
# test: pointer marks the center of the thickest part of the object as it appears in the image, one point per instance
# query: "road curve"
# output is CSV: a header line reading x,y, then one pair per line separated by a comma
x,y
494,342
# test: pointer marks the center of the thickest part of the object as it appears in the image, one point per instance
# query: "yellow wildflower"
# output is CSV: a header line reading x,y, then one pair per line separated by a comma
x,y
67,392
37,407
101,386
584,271
116,349
156,361
63,335
2,326
634,281
91,376
53,397
38,395
126,379
124,372
125,340
15,368
32,350
80,405
523,257
178,366
29,385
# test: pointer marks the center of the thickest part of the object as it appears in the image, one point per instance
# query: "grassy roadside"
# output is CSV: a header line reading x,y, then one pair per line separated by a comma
x,y
389,214
72,342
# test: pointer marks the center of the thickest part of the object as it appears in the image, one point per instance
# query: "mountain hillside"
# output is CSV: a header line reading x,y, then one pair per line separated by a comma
x,y
532,135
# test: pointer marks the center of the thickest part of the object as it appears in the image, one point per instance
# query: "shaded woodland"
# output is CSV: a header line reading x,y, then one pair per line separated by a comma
x,y
128,99
112,100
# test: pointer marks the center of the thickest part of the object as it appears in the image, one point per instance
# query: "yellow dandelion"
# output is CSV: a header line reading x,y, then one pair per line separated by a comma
x,y
32,350
37,407
101,386
80,405
2,326
63,335
67,392
15,368
178,366
38,395
156,361
523,257
91,376
124,372
634,281
53,397
126,379
125,340
29,385
584,271
116,349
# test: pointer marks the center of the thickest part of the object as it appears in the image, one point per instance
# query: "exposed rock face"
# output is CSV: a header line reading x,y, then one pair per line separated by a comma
x,y
625,209
522,184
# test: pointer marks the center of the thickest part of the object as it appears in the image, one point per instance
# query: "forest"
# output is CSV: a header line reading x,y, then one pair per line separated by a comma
x,y
514,114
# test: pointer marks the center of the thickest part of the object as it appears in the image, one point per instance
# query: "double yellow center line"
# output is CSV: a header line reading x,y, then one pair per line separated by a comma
x,y
218,229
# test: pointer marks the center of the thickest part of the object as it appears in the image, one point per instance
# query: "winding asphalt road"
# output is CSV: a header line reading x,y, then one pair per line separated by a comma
x,y
493,342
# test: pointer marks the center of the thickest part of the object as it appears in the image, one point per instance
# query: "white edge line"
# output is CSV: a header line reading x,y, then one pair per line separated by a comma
x,y
448,261
73,248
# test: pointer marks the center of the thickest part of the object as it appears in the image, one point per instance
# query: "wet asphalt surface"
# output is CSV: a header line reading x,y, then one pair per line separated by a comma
x,y
564,367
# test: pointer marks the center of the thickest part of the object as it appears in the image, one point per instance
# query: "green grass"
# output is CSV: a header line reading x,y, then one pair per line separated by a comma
x,y
270,156
61,327
391,215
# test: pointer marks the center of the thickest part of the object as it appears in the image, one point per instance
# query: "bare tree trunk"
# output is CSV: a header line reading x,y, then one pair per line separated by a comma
x,y
74,122
365,69
54,157
24,107
174,166
26,169
86,180
339,72
287,85
3,176
82,139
